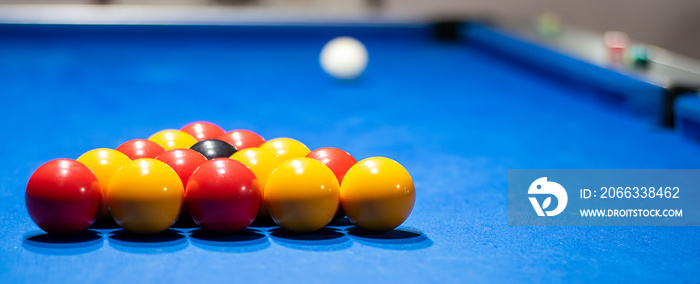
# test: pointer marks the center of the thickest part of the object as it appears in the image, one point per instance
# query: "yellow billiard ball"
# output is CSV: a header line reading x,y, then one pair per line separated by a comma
x,y
262,162
302,195
286,148
377,194
104,163
173,139
145,196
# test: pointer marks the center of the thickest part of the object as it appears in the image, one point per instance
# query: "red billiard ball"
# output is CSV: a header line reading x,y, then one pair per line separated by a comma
x,y
183,161
336,159
63,197
242,139
141,148
223,196
202,130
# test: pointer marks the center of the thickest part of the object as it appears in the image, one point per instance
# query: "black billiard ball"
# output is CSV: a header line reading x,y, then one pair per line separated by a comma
x,y
214,148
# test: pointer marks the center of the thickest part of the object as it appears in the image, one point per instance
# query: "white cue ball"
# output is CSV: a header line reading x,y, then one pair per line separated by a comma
x,y
344,57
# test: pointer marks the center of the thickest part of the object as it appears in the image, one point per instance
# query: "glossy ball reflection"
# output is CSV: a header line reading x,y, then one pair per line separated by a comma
x,y
214,148
62,197
203,130
302,195
173,139
242,139
140,148
145,196
377,194
286,148
223,195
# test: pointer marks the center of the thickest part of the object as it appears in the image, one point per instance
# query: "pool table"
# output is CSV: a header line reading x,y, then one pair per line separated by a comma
x,y
458,110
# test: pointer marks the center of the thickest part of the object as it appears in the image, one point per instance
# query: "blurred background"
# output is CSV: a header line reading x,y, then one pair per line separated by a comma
x,y
672,24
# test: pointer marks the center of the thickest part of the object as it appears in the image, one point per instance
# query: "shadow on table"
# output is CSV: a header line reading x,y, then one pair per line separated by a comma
x,y
105,226
43,243
402,238
265,223
326,239
185,221
248,240
341,222
165,242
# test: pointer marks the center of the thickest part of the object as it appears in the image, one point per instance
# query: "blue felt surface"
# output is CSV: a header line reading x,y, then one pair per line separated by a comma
x,y
456,115
687,111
